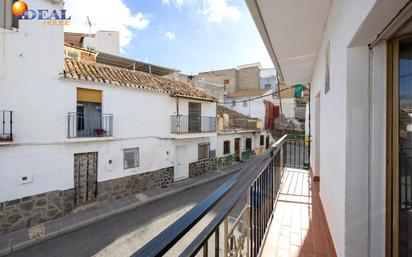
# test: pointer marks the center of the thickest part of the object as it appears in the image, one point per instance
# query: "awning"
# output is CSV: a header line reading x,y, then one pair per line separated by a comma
x,y
292,31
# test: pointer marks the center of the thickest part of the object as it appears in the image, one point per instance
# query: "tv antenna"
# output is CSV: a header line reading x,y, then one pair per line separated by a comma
x,y
89,23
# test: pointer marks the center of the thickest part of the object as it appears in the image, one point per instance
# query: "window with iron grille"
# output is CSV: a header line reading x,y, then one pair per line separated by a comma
x,y
130,158
248,144
226,147
262,139
203,151
195,110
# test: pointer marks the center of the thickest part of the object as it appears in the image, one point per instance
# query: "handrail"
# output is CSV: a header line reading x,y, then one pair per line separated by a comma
x,y
237,185
168,237
196,244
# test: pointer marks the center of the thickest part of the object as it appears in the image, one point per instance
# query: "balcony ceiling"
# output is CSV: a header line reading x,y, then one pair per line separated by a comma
x,y
292,31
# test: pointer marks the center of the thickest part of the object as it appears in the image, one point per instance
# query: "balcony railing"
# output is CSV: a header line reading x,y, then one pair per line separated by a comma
x,y
89,125
6,130
192,124
242,208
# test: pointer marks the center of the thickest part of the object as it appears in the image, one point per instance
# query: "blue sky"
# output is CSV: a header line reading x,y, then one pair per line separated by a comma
x,y
188,35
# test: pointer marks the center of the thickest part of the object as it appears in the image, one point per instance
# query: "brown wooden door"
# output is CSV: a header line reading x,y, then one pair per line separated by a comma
x,y
237,149
85,177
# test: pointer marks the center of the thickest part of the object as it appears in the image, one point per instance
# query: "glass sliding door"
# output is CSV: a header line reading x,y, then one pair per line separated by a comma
x,y
399,148
405,146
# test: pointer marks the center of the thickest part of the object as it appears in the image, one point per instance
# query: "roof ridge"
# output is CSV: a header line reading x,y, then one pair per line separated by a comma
x,y
98,72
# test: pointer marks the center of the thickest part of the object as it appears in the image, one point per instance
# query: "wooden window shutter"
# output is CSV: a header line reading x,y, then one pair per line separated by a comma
x,y
89,95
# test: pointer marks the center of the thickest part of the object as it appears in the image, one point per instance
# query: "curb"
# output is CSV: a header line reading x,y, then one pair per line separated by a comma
x,y
28,243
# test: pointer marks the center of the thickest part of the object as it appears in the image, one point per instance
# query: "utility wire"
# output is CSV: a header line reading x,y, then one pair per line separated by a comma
x,y
258,97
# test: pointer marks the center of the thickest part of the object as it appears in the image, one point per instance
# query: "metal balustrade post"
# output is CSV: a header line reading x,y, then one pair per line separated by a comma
x,y
225,237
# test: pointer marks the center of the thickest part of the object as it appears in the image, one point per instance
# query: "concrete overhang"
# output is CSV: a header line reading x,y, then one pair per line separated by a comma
x,y
292,32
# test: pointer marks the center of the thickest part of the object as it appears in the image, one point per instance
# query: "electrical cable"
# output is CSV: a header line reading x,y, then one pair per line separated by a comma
x,y
258,97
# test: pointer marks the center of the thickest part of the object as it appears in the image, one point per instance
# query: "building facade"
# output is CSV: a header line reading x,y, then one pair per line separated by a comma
x,y
77,131
239,137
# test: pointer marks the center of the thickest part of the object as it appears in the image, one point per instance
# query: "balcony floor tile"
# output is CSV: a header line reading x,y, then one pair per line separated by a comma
x,y
298,228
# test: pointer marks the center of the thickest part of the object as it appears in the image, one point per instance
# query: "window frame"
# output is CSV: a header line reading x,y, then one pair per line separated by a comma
x,y
136,163
206,152
226,148
246,144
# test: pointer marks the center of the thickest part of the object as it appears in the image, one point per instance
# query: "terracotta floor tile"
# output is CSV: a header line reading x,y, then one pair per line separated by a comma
x,y
298,228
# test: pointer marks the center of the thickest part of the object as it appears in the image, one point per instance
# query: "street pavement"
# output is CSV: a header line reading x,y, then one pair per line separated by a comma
x,y
123,234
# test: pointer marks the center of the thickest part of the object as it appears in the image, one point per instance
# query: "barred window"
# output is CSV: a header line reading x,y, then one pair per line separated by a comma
x,y
226,147
130,158
203,151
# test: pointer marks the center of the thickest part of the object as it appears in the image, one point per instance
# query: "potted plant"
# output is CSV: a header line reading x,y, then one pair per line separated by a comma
x,y
100,132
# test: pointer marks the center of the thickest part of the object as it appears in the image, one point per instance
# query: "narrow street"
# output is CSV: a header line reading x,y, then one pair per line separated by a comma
x,y
122,234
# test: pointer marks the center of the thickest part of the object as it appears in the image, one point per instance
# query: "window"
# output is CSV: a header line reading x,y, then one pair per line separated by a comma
x,y
203,151
248,144
262,139
7,19
244,103
233,103
130,158
195,111
226,147
268,85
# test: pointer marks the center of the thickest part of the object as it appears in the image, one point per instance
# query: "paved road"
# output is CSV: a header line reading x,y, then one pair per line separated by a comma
x,y
122,234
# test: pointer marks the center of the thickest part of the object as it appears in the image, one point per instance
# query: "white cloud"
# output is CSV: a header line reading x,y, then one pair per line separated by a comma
x,y
219,10
105,15
170,35
177,3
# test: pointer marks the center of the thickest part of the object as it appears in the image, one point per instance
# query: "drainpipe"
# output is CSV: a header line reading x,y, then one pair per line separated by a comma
x,y
177,106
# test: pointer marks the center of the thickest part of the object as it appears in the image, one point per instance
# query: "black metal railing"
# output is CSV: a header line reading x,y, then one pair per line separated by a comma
x,y
242,208
297,148
192,124
6,130
405,177
89,125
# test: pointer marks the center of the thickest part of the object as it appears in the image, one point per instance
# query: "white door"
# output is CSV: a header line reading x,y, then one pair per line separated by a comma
x,y
181,164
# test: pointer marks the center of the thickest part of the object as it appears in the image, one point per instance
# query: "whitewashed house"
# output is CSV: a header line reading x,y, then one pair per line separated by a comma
x,y
239,137
81,131
256,103
356,56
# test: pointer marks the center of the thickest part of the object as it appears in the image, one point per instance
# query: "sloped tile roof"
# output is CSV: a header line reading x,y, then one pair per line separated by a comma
x,y
251,92
96,72
232,114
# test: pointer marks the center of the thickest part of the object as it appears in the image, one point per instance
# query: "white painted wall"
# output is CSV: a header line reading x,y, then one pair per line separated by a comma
x,y
352,132
288,106
30,62
222,137
255,108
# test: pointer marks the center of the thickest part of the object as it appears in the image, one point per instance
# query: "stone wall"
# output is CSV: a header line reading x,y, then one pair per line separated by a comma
x,y
32,210
201,167
117,188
